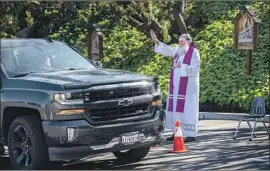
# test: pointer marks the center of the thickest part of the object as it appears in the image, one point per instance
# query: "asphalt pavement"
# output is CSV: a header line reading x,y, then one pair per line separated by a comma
x,y
214,150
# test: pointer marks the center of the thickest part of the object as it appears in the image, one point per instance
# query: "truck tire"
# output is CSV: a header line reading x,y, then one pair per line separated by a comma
x,y
2,149
26,144
133,154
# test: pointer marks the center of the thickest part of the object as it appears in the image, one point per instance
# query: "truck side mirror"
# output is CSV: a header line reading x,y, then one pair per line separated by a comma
x,y
98,64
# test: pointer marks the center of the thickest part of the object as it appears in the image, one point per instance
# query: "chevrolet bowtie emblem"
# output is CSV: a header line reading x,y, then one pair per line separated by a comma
x,y
125,102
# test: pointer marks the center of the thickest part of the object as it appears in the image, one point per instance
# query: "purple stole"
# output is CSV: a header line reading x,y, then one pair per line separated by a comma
x,y
181,98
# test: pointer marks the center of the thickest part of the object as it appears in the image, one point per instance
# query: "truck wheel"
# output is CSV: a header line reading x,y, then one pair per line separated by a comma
x,y
133,154
26,144
2,149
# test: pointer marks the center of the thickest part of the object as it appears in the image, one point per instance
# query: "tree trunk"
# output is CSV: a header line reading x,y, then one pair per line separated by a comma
x,y
178,8
21,18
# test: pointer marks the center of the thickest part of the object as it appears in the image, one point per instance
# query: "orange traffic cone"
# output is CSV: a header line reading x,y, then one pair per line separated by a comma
x,y
178,142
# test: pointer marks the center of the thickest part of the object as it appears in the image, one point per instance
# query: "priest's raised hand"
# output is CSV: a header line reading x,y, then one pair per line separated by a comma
x,y
153,36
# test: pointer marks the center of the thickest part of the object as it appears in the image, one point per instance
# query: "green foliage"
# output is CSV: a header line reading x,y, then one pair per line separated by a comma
x,y
125,48
128,49
223,74
223,77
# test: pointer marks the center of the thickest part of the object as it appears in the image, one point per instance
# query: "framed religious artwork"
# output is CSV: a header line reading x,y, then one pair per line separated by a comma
x,y
95,43
246,34
246,30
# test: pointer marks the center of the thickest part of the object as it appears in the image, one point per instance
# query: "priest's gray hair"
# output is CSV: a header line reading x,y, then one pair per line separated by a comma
x,y
187,37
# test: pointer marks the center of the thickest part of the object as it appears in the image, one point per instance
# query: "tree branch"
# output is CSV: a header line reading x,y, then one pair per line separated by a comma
x,y
139,16
158,28
179,18
182,7
194,18
134,22
26,32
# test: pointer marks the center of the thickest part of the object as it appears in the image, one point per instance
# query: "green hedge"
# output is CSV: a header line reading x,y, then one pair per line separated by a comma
x,y
223,73
224,85
223,81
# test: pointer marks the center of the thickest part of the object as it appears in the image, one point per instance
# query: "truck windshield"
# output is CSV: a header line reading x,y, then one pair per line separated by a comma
x,y
41,58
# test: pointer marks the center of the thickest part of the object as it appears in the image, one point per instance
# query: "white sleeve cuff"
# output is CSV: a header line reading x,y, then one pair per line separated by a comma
x,y
184,70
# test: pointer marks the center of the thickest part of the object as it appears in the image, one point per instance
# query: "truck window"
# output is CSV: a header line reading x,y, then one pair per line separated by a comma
x,y
42,58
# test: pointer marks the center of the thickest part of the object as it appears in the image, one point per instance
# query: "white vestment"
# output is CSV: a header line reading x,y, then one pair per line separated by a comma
x,y
189,119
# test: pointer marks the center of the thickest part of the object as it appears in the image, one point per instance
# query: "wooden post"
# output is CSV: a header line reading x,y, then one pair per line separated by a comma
x,y
246,34
89,44
249,62
95,43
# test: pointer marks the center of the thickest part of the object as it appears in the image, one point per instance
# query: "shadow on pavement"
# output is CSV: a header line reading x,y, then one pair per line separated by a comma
x,y
215,149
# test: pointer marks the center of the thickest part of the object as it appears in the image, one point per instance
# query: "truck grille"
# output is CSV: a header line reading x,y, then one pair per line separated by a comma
x,y
102,102
101,95
118,112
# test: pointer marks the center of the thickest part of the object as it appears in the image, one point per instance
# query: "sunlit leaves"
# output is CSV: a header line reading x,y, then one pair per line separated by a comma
x,y
223,77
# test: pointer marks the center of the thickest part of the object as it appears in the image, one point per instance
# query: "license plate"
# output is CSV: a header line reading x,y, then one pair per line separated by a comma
x,y
130,138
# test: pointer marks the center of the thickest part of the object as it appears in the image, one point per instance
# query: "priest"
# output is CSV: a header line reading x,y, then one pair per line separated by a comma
x,y
183,94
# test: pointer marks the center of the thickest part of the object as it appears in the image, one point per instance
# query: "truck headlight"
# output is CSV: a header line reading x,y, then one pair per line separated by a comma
x,y
156,92
156,88
68,98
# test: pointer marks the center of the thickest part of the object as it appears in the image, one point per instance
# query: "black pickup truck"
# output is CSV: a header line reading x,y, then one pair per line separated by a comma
x,y
59,106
